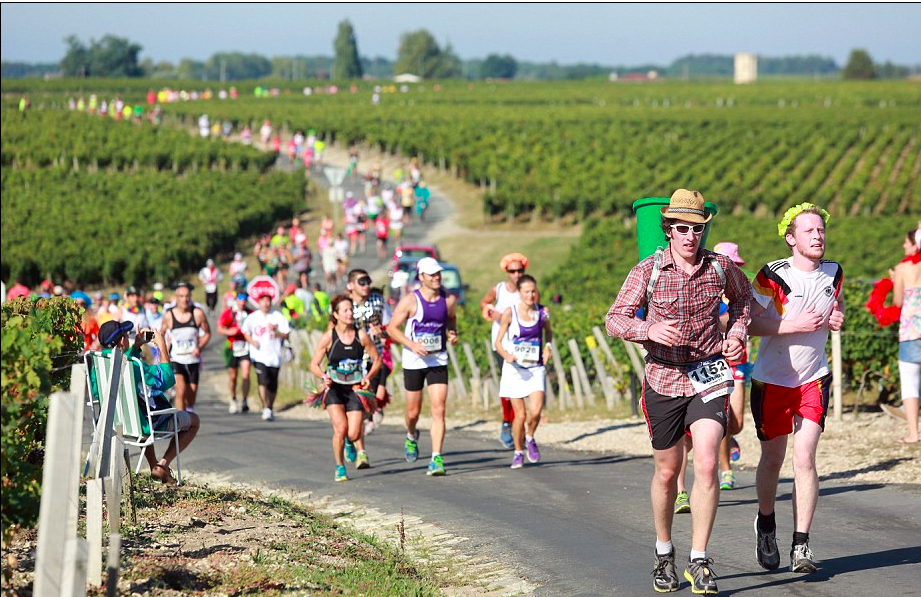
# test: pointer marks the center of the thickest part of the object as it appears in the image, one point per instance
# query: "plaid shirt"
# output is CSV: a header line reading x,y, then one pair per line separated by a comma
x,y
691,299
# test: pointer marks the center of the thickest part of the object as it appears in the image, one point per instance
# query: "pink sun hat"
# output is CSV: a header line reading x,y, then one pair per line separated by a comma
x,y
730,250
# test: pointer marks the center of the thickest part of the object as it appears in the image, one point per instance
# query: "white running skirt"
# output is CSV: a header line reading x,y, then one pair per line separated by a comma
x,y
518,382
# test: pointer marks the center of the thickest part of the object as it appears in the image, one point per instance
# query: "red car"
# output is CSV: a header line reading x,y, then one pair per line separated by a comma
x,y
416,252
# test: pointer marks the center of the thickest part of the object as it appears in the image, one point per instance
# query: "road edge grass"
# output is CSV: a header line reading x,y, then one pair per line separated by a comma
x,y
309,552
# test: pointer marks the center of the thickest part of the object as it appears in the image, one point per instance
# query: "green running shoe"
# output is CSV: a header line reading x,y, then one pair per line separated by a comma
x,y
682,503
436,467
361,461
411,450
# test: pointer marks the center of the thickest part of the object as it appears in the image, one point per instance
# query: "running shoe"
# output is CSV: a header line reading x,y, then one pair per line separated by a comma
x,y
505,436
234,409
664,576
533,452
699,573
727,481
735,452
802,559
369,427
350,452
518,460
361,461
436,467
341,475
411,450
244,407
682,503
267,414
766,548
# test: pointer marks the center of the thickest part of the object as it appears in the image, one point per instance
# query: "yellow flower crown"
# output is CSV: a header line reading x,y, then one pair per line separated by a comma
x,y
794,211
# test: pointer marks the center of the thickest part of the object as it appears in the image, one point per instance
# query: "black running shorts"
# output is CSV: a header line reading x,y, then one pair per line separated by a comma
x,y
414,379
267,376
189,372
668,418
345,396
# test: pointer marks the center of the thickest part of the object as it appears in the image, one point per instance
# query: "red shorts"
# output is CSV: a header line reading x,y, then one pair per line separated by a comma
x,y
773,407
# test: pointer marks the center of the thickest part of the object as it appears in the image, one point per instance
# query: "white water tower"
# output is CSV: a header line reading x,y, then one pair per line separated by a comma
x,y
746,68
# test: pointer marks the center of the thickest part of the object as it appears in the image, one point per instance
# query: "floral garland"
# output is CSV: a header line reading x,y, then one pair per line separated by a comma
x,y
794,211
876,305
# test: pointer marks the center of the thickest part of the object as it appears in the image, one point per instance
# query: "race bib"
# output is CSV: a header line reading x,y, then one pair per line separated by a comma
x,y
527,352
240,348
431,342
348,371
182,347
707,376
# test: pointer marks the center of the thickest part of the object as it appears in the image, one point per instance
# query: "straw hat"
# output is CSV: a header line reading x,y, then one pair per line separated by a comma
x,y
688,206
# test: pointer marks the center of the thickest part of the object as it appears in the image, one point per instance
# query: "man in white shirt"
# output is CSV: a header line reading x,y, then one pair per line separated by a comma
x,y
796,301
264,330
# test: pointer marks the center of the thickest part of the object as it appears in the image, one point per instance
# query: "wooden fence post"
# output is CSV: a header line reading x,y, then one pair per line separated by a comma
x,y
94,490
492,367
603,343
603,378
112,565
836,373
459,386
475,372
635,360
60,499
565,395
583,374
73,583
577,386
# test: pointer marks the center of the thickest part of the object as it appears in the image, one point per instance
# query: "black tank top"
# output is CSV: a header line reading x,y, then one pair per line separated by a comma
x,y
345,360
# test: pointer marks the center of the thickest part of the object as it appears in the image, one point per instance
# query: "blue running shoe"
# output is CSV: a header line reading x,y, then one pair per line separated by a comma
x,y
411,449
734,451
340,473
505,436
350,451
436,467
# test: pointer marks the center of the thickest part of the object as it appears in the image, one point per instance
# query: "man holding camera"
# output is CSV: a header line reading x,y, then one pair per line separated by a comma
x,y
159,378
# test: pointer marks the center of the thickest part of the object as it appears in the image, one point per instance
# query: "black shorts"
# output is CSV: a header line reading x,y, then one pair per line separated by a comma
x,y
380,379
414,379
267,376
211,299
234,362
343,395
668,418
189,372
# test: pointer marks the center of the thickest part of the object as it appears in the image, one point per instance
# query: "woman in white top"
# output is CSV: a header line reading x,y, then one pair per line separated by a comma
x,y
524,345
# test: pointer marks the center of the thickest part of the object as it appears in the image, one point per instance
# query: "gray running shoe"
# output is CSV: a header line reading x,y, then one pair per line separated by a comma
x,y
802,559
700,574
766,548
664,576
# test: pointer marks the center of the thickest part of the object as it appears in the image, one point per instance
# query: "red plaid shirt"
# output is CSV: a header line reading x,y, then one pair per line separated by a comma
x,y
691,299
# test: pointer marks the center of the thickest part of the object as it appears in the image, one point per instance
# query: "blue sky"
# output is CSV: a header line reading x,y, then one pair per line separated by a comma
x,y
622,34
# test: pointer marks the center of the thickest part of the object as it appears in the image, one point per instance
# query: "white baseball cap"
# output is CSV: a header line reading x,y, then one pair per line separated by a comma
x,y
428,265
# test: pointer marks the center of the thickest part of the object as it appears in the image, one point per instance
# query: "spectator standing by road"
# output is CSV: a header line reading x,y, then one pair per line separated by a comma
x,y
906,294
797,301
687,378
133,311
210,276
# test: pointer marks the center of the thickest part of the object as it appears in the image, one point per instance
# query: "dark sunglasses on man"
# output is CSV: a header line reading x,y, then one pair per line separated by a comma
x,y
364,281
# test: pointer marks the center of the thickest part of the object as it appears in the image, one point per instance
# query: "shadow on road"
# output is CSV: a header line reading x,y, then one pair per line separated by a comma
x,y
604,430
828,569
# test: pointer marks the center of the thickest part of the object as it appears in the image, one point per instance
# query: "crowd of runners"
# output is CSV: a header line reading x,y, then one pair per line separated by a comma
x,y
691,309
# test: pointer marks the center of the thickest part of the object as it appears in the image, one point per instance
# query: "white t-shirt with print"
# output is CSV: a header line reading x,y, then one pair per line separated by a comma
x,y
793,360
256,325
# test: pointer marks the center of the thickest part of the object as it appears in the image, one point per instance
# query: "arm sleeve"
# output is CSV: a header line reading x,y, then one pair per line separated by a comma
x,y
621,322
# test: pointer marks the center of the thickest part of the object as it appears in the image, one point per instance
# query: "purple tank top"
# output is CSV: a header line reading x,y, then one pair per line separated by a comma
x,y
429,327
530,334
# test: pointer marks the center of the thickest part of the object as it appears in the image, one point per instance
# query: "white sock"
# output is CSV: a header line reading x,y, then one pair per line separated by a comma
x,y
410,436
664,547
519,453
434,454
697,555
528,438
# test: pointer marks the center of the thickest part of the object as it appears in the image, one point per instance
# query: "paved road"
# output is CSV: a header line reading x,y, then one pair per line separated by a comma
x,y
577,523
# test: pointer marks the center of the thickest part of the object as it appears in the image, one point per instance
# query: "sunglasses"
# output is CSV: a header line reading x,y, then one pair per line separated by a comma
x,y
684,228
515,271
364,281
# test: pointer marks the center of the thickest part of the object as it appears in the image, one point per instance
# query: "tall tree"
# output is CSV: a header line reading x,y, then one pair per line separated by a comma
x,y
110,57
449,65
499,67
419,54
76,60
859,66
347,64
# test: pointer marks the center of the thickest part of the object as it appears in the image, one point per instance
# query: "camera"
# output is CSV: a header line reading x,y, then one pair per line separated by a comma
x,y
147,335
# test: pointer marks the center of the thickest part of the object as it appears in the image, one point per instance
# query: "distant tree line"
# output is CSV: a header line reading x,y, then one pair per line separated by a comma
x,y
418,53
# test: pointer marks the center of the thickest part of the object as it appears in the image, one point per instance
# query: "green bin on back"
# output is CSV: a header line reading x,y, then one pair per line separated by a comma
x,y
649,235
